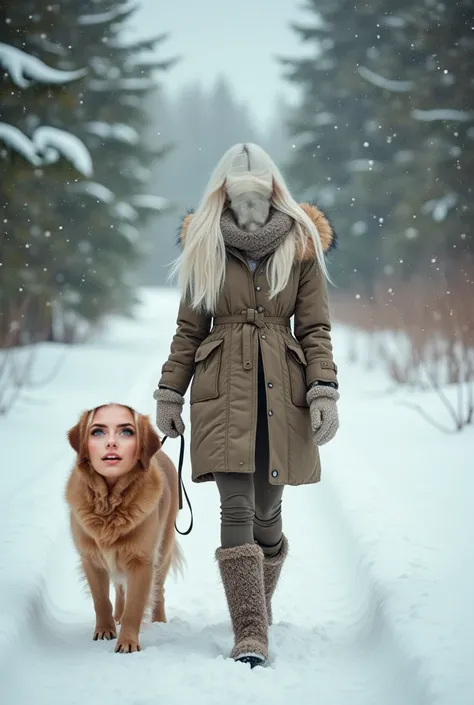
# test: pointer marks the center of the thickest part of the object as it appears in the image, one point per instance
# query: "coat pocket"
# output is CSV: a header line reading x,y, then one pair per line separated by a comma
x,y
296,362
207,359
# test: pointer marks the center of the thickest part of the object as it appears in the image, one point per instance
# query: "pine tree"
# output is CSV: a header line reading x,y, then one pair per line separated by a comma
x,y
275,137
87,226
195,128
33,166
109,222
436,210
228,120
338,144
372,146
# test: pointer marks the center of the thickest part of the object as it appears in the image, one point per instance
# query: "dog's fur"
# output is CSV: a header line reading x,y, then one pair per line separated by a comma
x,y
124,534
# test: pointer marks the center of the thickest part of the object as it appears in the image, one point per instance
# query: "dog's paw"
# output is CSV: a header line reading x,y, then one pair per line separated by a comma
x,y
105,631
127,645
117,618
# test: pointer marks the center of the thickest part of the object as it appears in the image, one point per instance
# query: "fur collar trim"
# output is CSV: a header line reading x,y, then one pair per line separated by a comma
x,y
325,229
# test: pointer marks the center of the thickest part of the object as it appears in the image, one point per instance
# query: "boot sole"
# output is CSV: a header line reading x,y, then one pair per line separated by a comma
x,y
252,660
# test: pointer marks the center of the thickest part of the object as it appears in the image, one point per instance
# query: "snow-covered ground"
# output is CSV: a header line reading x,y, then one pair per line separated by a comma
x,y
374,604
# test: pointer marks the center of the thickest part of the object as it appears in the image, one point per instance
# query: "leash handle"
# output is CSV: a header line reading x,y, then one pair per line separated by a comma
x,y
182,488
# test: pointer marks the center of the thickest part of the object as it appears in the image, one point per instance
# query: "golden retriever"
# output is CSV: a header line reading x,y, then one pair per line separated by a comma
x,y
122,515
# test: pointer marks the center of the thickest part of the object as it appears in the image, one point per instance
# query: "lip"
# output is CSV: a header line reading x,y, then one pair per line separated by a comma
x,y
111,461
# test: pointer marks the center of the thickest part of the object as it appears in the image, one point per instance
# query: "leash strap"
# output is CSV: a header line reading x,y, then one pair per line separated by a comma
x,y
182,488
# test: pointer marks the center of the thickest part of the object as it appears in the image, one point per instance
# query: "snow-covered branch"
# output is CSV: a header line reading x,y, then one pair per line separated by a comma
x,y
54,142
94,190
323,118
18,141
125,211
394,21
443,114
149,201
106,17
363,165
387,83
121,209
138,46
45,44
439,208
24,69
131,233
118,131
47,145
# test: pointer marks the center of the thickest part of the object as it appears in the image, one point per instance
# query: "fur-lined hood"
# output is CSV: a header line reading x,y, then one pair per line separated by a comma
x,y
325,229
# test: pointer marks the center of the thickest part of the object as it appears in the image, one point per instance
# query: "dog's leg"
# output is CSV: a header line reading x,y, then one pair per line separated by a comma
x,y
139,583
161,571
99,584
169,551
119,602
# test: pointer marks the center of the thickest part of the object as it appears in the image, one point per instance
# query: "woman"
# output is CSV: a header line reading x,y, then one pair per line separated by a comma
x,y
262,400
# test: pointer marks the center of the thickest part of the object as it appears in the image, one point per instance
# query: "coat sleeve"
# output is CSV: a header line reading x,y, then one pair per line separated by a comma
x,y
192,328
312,324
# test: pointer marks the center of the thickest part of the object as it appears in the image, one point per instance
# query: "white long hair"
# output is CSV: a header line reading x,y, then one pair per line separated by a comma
x,y
201,266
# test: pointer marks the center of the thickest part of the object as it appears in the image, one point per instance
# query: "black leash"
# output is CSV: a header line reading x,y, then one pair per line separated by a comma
x,y
181,487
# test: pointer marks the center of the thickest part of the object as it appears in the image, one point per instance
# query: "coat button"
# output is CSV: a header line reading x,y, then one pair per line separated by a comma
x,y
270,413
270,384
258,288
263,336
274,473
260,309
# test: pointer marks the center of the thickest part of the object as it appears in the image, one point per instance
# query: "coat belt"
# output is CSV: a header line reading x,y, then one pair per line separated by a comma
x,y
253,318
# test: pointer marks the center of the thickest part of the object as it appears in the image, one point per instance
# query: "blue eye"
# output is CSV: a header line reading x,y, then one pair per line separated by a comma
x,y
124,431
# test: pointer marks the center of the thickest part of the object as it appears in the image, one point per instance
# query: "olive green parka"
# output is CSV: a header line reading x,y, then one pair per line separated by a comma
x,y
220,355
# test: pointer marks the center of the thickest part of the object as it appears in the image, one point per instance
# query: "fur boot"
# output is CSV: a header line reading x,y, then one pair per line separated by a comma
x,y
241,569
271,573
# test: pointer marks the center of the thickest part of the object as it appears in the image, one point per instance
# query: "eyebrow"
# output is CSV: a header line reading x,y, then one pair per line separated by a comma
x,y
103,425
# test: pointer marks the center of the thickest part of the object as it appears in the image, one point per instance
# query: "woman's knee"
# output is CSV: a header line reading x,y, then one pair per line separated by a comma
x,y
268,513
237,509
237,499
268,528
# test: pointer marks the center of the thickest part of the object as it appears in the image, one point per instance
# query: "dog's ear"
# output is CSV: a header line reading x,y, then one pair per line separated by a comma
x,y
149,441
74,437
76,434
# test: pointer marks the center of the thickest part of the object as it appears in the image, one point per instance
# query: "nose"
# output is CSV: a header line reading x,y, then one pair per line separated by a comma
x,y
111,442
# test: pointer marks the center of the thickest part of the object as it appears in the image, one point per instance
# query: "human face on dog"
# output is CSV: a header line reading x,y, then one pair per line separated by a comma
x,y
112,442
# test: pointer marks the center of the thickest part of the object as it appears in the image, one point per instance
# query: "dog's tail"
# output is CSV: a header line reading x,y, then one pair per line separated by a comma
x,y
178,561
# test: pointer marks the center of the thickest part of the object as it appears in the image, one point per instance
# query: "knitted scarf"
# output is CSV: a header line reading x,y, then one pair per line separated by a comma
x,y
263,241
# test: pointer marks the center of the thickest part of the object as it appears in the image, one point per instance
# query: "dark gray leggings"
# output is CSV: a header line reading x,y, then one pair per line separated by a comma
x,y
250,511
250,505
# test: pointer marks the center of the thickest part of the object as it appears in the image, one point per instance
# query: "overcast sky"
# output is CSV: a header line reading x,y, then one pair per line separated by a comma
x,y
239,38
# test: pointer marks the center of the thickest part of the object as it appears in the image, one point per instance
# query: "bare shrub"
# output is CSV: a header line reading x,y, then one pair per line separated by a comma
x,y
423,332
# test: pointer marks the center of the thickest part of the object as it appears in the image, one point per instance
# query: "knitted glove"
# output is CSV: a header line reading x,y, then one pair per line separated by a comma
x,y
169,405
323,409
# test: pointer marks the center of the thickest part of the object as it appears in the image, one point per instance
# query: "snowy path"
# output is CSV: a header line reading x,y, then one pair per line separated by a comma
x,y
335,641
329,639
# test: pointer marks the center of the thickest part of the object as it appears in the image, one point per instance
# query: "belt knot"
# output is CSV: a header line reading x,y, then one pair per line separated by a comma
x,y
254,317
